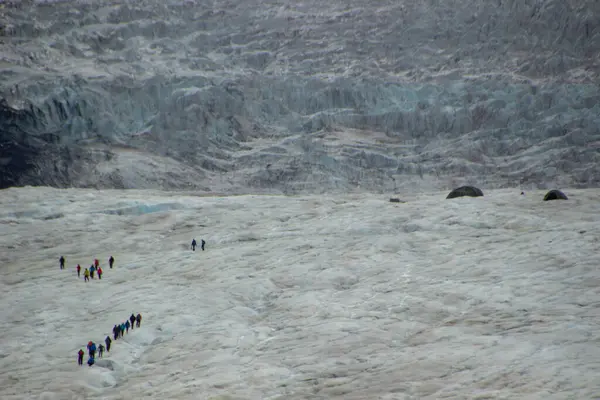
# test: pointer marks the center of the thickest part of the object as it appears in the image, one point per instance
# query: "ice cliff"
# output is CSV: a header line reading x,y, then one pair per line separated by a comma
x,y
312,96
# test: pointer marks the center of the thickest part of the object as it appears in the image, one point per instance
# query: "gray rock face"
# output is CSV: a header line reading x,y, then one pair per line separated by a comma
x,y
248,96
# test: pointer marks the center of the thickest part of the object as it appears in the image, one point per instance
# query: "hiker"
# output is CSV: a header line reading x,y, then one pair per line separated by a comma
x,y
92,269
116,331
122,329
108,342
86,275
127,326
96,263
92,349
78,270
80,357
202,243
99,273
91,361
111,261
138,319
62,262
194,245
132,320
100,350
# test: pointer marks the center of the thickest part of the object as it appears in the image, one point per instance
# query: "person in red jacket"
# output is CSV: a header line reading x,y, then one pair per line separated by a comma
x,y
78,270
96,263
99,273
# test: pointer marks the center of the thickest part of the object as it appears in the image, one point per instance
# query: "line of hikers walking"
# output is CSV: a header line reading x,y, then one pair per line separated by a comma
x,y
121,329
118,331
89,272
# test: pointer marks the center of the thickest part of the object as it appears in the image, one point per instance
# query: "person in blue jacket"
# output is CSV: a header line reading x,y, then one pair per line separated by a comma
x,y
194,245
92,349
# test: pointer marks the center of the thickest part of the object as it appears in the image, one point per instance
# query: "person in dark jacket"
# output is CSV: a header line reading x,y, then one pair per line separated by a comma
x,y
127,326
80,357
202,243
108,343
132,320
111,261
116,331
194,245
122,329
138,319
78,270
62,262
100,350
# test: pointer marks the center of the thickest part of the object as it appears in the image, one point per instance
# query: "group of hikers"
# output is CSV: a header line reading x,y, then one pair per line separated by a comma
x,y
89,272
118,331
194,244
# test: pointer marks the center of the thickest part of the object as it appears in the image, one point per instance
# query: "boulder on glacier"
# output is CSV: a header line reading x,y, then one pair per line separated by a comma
x,y
471,191
555,194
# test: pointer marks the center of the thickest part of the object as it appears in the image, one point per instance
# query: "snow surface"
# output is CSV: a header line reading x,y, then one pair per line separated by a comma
x,y
309,297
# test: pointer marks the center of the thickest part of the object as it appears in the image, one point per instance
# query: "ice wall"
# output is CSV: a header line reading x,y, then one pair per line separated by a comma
x,y
291,97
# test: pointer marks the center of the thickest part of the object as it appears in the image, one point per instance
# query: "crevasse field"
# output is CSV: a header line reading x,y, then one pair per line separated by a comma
x,y
308,297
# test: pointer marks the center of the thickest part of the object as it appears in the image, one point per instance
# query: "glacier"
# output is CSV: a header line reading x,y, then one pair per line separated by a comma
x,y
278,131
301,297
283,97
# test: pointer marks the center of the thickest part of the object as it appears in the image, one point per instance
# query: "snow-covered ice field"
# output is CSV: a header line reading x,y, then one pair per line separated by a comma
x,y
308,297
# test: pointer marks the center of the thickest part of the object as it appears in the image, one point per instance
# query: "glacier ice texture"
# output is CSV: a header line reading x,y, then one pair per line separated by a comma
x,y
286,97
306,297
